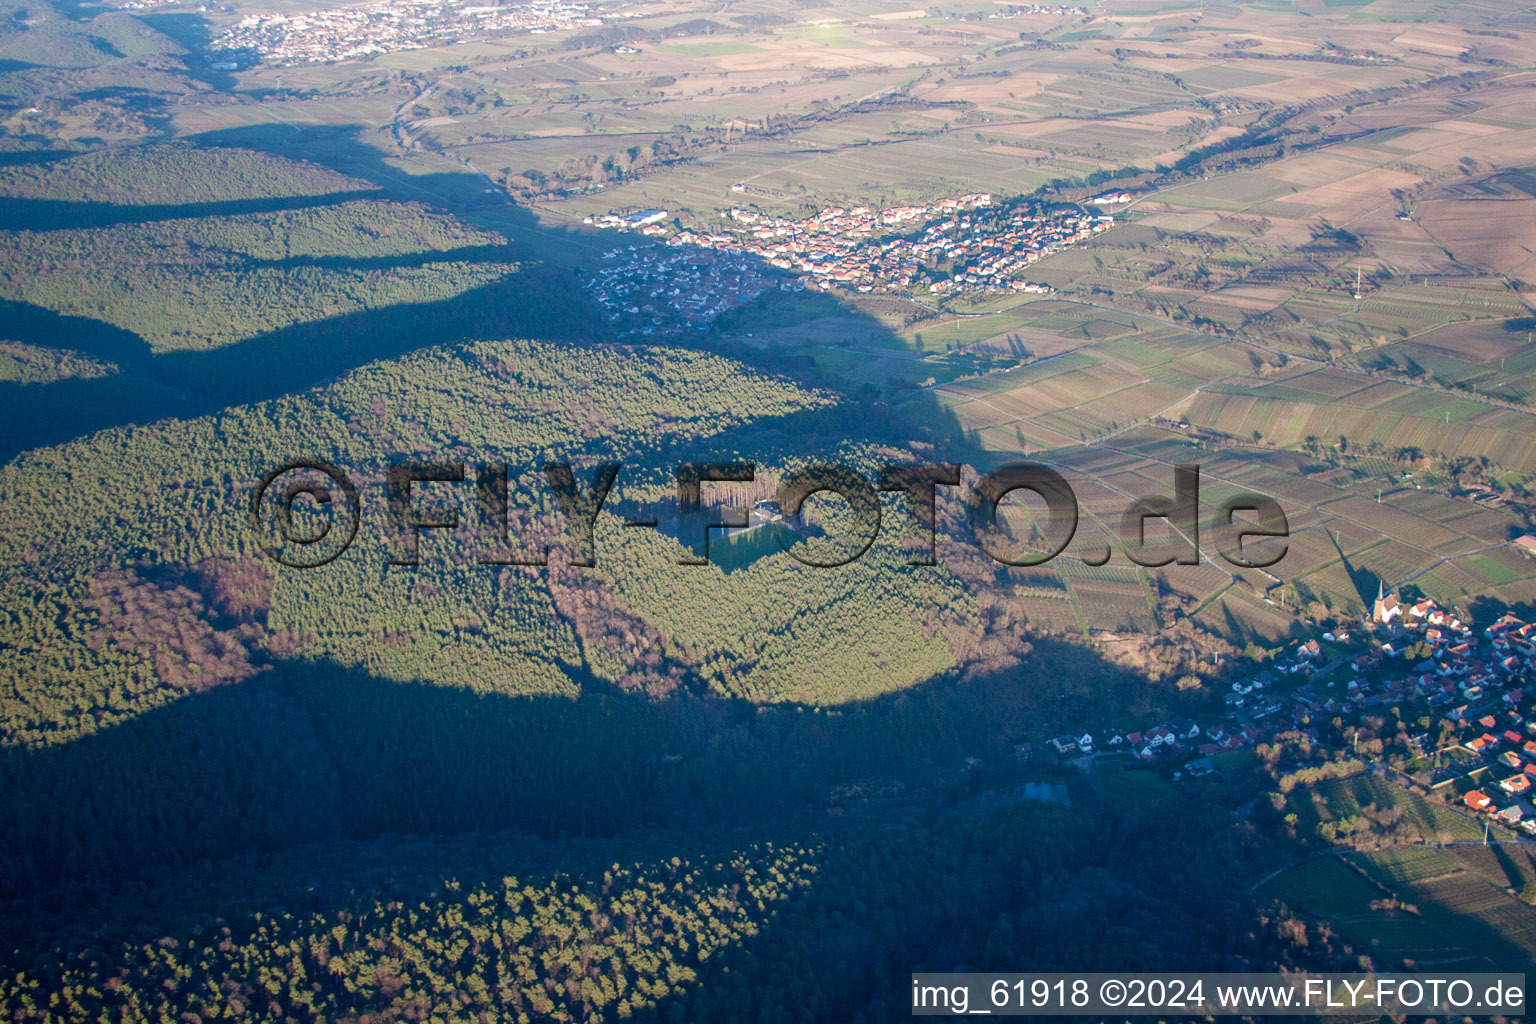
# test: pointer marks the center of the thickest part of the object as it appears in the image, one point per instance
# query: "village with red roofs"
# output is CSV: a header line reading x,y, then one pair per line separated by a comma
x,y
1464,697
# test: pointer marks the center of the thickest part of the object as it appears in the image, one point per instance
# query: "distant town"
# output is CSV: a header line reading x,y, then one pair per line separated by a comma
x,y
382,26
943,248
345,33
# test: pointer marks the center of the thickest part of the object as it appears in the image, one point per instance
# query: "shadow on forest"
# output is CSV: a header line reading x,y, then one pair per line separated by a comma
x,y
307,756
338,148
58,214
314,789
313,752
28,157
544,300
286,361
194,33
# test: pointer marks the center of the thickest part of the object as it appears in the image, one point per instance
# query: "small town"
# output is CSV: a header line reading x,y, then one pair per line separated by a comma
x,y
934,249
1465,699
346,33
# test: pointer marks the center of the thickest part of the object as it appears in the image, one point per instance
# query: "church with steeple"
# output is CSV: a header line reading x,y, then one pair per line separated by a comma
x,y
1387,607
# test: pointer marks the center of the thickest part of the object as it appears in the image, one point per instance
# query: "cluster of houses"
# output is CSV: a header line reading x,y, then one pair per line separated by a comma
x,y
1416,656
637,221
670,290
994,258
1496,725
343,33
838,247
1146,744
892,249
1025,10
1505,768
